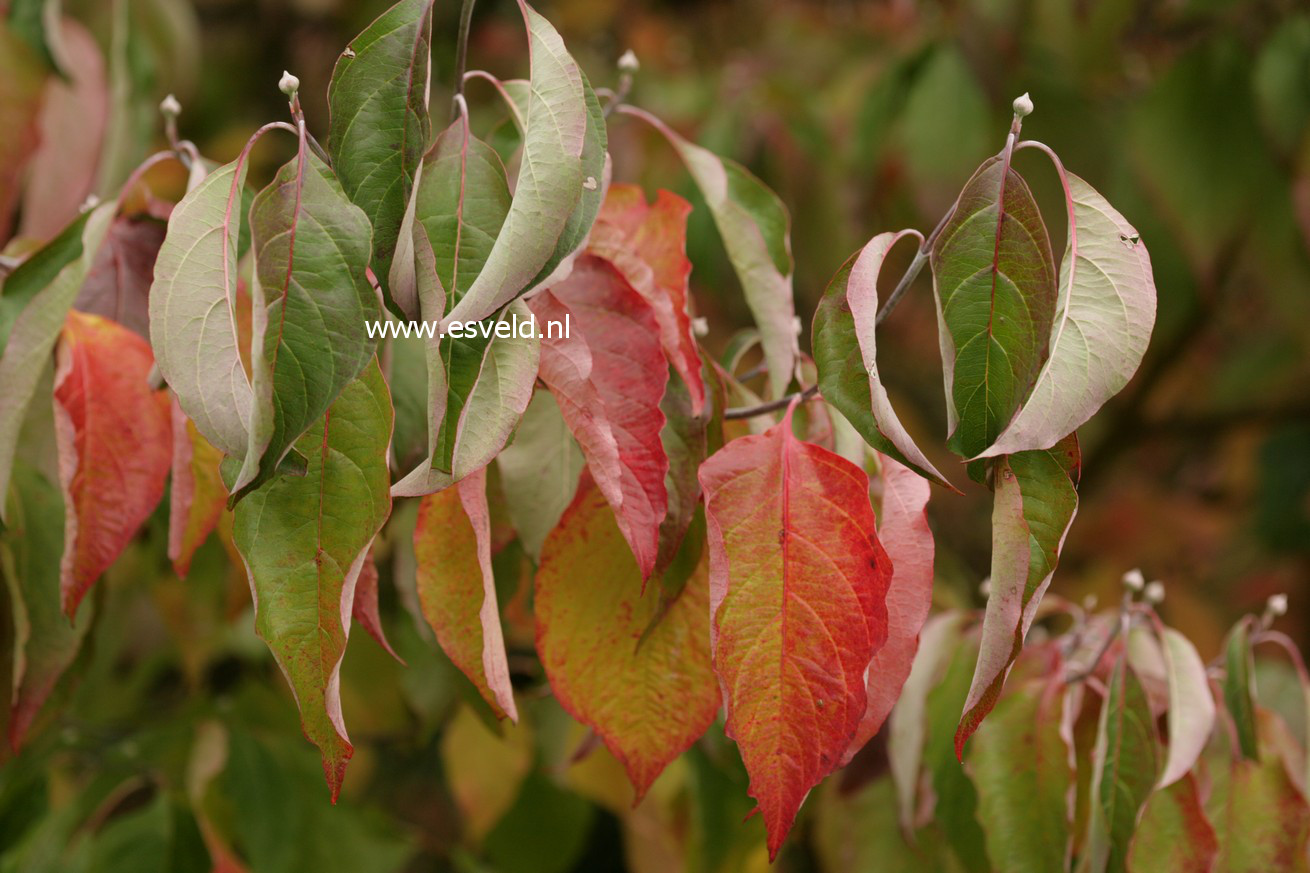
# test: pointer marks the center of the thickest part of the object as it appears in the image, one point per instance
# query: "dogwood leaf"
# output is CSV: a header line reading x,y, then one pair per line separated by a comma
x,y
197,495
1191,707
1174,833
539,472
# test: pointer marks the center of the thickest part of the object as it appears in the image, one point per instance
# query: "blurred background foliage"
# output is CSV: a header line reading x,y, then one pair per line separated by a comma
x,y
174,730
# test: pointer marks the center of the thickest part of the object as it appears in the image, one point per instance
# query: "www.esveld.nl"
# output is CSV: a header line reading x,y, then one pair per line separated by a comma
x,y
505,328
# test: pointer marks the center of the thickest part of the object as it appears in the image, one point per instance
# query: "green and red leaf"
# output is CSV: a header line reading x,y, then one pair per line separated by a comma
x,y
197,496
1174,833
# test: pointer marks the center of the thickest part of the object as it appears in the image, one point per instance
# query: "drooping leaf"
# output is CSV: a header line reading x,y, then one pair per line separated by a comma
x,y
365,608
648,702
756,232
72,125
857,832
197,496
22,77
115,446
1191,707
1262,821
1238,695
379,129
485,771
551,182
304,540
118,283
309,301
798,581
1020,764
1103,320
539,472
608,377
1125,767
1034,505
845,353
903,530
648,244
457,590
1174,833
193,325
994,277
34,313
45,642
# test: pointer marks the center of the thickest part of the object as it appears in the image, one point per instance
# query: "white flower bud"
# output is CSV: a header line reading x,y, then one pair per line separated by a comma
x,y
1134,580
985,587
288,84
628,63
91,202
170,107
1090,602
1154,593
700,326
1277,605
1023,105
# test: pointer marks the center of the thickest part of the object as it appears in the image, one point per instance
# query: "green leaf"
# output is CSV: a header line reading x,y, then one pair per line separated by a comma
x,y
1174,833
1034,506
22,84
1191,707
994,277
32,337
1126,763
1103,322
36,22
857,832
1020,765
845,353
1238,694
309,302
379,130
304,540
1262,821
756,231
551,181
539,472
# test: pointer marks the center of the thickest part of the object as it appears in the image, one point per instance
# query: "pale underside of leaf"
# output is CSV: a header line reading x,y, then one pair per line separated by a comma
x,y
1191,706
539,471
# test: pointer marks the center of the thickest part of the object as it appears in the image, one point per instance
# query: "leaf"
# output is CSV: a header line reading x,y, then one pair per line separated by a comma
x,y
72,125
857,832
756,232
34,317
457,590
193,325
550,183
994,278
1103,321
115,446
1020,764
379,125
45,642
1261,819
118,284
648,245
1238,696
365,608
484,771
310,301
846,356
1034,506
647,702
1191,708
1174,833
687,441
608,376
479,384
197,496
539,472
1125,767
798,581
904,531
304,540
22,77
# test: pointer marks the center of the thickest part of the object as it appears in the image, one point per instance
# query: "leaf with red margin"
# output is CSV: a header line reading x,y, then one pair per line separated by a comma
x,y
798,581
365,608
456,588
1036,498
118,284
1174,833
648,244
304,540
647,702
197,497
609,377
903,530
115,446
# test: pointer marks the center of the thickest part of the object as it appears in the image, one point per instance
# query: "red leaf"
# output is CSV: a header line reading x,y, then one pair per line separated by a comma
x,y
648,699
798,581
456,588
903,529
118,284
114,441
609,377
365,607
197,497
648,244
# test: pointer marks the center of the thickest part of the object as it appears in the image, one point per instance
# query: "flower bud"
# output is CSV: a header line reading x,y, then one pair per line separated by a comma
x,y
1277,605
170,107
1154,593
1134,580
628,63
288,84
1023,105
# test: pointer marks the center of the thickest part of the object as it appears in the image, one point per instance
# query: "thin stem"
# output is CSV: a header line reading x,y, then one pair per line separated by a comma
x,y
772,406
1120,629
462,52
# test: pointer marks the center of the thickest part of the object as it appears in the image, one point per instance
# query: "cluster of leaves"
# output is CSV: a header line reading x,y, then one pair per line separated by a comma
x,y
678,556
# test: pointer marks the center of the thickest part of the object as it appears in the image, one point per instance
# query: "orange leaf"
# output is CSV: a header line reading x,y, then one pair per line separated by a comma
x,y
114,441
197,496
798,581
650,699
